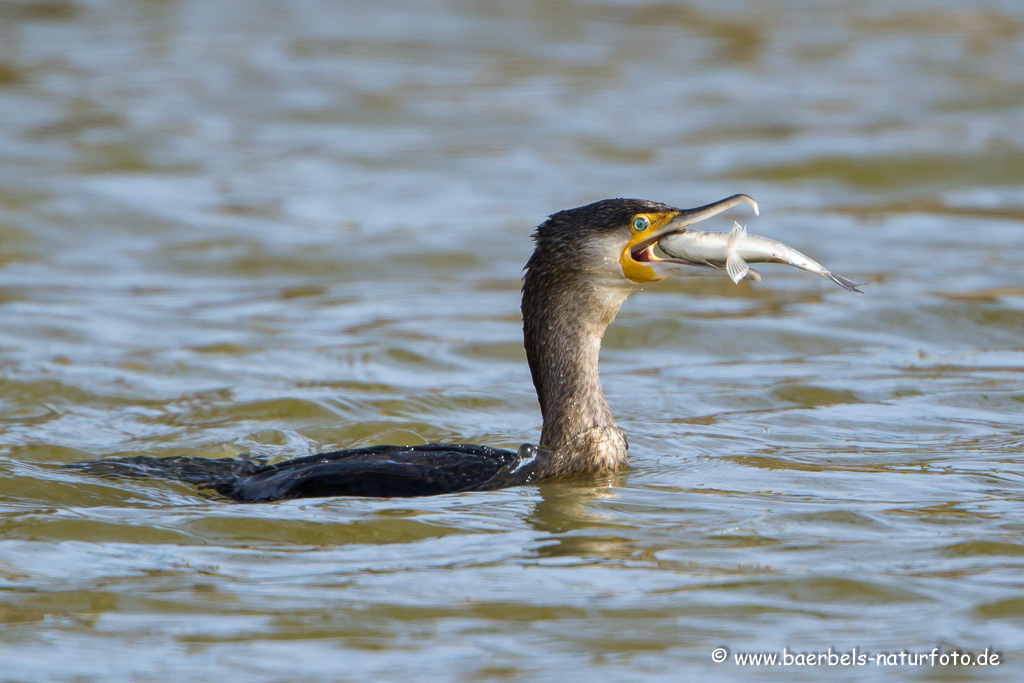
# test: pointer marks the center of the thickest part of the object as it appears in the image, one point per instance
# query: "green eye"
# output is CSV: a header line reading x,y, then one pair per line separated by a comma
x,y
641,223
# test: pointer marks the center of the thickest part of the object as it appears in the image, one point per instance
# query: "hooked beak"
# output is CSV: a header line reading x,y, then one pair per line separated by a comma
x,y
688,217
646,266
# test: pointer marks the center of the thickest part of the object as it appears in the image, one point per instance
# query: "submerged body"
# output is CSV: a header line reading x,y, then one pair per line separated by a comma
x,y
586,261
376,472
733,250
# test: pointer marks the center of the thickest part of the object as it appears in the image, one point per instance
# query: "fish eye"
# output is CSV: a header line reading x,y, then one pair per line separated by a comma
x,y
641,223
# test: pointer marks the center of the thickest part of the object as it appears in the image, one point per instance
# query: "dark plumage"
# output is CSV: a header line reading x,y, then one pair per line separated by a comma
x,y
377,471
559,239
584,264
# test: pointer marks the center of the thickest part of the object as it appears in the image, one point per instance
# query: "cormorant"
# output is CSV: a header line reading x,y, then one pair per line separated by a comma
x,y
586,261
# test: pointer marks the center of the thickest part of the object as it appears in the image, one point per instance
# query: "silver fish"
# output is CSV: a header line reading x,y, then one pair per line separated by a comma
x,y
736,248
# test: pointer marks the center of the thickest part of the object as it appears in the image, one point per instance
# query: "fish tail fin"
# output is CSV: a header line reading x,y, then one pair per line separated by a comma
x,y
848,285
736,267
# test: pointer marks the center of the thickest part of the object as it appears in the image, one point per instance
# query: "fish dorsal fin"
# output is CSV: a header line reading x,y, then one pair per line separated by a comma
x,y
737,233
736,267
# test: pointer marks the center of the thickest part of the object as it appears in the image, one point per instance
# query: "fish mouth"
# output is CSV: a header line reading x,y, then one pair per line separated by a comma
x,y
643,250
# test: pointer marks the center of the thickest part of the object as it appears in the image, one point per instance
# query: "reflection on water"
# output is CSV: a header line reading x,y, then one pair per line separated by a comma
x,y
230,227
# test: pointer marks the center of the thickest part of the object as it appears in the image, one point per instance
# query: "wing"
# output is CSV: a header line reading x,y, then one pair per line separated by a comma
x,y
378,471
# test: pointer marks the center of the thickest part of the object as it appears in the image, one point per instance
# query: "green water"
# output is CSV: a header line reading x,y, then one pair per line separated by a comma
x,y
284,228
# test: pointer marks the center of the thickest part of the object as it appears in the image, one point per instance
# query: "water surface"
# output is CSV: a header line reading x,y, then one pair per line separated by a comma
x,y
284,228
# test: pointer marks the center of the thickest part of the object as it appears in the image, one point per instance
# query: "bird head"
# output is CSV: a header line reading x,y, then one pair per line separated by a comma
x,y
612,241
